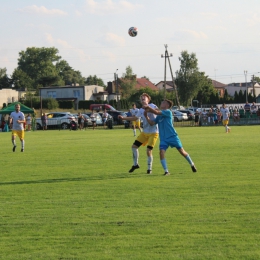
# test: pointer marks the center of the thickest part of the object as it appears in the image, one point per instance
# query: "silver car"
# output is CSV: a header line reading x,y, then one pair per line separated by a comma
x,y
179,116
56,120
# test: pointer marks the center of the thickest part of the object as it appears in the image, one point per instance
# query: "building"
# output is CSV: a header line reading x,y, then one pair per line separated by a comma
x,y
219,87
236,87
114,89
75,93
169,86
9,95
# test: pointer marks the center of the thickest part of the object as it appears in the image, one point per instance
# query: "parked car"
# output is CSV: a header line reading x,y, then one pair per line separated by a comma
x,y
179,116
115,115
101,107
176,107
190,114
56,120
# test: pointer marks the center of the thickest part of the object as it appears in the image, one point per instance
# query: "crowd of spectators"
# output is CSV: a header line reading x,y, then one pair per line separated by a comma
x,y
213,115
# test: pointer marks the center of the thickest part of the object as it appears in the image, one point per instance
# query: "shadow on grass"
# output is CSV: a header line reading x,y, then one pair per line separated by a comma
x,y
62,180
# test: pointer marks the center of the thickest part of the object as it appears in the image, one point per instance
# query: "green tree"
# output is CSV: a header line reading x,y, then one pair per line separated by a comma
x,y
206,91
188,77
38,64
68,75
22,80
127,82
94,80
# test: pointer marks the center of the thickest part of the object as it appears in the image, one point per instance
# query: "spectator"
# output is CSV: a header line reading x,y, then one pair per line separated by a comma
x,y
204,115
81,121
258,113
93,119
104,118
219,116
44,121
210,116
247,109
236,116
29,122
197,117
253,108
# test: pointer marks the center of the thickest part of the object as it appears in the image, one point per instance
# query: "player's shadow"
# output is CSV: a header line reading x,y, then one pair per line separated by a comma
x,y
58,180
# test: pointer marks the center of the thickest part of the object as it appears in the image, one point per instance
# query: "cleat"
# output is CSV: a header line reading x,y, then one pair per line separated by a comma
x,y
134,167
229,129
14,148
193,167
166,173
22,150
149,171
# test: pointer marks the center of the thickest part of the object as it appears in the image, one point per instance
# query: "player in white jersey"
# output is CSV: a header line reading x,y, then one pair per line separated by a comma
x,y
17,121
148,137
136,124
225,117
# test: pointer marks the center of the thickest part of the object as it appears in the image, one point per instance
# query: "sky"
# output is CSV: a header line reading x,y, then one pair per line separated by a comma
x,y
92,35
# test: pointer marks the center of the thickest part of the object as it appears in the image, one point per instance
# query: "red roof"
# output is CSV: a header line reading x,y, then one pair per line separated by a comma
x,y
143,83
217,84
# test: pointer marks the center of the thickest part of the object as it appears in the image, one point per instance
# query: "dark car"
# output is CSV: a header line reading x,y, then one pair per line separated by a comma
x,y
115,115
190,114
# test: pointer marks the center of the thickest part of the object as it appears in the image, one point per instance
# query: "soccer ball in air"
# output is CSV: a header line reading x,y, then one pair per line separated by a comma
x,y
132,31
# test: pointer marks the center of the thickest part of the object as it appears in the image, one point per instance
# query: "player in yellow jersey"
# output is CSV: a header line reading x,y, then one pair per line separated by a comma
x,y
17,122
148,137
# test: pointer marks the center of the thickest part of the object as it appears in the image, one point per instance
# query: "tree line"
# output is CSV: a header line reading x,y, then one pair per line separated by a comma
x,y
42,67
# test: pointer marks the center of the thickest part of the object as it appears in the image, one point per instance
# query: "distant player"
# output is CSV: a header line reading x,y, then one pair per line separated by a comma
x,y
136,124
225,117
148,137
167,133
17,121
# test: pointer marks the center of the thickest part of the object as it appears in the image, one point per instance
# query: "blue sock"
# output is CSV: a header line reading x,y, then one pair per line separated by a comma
x,y
189,160
164,165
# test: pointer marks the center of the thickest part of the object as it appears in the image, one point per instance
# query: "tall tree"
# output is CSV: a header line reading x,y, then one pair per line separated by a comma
x,y
94,80
206,90
67,74
188,77
127,82
38,64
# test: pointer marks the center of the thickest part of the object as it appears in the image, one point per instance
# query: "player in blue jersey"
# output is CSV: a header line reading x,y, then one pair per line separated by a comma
x,y
168,135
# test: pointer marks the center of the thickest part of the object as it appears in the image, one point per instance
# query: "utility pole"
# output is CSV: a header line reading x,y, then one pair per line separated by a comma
x,y
253,82
167,56
245,72
117,90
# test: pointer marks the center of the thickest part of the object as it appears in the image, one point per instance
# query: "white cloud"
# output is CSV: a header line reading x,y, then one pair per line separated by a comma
x,y
189,35
111,56
34,9
114,39
254,19
110,7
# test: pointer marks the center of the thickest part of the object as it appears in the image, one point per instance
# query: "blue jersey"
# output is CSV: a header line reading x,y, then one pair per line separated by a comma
x,y
167,133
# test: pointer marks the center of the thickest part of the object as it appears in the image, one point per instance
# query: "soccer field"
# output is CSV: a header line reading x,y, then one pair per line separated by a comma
x,y
70,196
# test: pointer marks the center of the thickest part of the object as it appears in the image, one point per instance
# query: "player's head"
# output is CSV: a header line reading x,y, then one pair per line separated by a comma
x,y
145,99
224,105
133,105
166,104
17,107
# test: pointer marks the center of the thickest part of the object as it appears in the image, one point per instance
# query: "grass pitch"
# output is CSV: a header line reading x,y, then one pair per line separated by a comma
x,y
70,196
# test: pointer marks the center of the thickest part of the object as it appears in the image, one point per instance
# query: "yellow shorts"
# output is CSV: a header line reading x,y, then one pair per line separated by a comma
x,y
19,133
136,123
225,122
148,139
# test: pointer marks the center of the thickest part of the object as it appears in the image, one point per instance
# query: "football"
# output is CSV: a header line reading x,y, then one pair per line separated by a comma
x,y
132,31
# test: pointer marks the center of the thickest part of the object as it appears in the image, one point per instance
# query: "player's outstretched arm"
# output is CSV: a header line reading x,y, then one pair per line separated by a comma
x,y
151,110
128,118
148,119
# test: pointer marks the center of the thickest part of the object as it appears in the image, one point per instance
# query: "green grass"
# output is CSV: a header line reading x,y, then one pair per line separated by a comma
x,y
70,196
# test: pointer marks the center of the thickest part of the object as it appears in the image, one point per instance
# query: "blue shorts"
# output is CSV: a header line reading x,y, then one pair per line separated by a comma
x,y
173,142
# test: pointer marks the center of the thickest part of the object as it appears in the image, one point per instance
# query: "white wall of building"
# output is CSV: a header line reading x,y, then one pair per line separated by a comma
x,y
8,96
